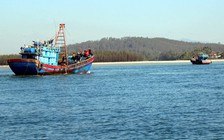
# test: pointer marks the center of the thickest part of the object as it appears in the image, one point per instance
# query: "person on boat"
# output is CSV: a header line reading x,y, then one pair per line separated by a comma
x,y
63,59
90,52
45,43
86,53
22,49
82,53
73,56
79,56
50,41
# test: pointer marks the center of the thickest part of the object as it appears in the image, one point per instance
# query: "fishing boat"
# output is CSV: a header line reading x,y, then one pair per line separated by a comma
x,y
51,57
201,59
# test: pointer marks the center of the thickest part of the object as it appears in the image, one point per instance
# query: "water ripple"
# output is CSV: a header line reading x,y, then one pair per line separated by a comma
x,y
115,102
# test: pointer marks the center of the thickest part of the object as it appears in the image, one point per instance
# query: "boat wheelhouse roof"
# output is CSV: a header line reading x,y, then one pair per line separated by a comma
x,y
203,56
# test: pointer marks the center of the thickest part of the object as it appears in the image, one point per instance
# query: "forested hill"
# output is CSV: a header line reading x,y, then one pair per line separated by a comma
x,y
147,48
139,49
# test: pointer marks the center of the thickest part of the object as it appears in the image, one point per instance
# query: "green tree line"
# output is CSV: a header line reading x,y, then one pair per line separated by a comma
x,y
4,58
113,56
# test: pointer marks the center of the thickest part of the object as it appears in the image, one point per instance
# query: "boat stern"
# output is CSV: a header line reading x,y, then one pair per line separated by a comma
x,y
23,66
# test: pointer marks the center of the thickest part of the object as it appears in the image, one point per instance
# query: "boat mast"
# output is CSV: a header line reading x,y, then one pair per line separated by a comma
x,y
60,41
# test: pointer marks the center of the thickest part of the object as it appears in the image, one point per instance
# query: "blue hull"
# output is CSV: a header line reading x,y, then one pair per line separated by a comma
x,y
33,67
83,70
23,68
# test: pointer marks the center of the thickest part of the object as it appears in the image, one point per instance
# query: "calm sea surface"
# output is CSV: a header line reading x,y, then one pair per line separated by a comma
x,y
141,101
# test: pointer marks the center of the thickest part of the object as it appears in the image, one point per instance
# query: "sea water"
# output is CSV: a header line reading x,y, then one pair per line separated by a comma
x,y
140,101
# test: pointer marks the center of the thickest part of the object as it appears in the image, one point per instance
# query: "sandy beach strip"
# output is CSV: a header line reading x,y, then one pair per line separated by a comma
x,y
149,62
4,66
141,62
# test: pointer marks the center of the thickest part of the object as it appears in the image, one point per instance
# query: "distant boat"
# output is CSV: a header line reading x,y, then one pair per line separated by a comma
x,y
201,59
46,58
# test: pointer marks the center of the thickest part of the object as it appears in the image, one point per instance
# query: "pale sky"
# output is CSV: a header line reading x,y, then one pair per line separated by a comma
x,y
22,21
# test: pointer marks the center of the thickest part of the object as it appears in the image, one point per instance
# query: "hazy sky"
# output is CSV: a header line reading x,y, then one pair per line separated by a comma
x,y
22,21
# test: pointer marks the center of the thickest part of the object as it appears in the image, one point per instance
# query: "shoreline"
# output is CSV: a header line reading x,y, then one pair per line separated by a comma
x,y
150,62
139,62
4,66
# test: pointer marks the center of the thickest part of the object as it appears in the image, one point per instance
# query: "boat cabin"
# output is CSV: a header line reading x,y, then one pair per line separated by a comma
x,y
28,53
44,52
202,57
